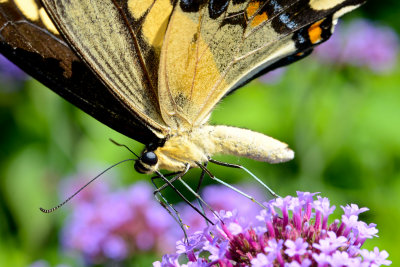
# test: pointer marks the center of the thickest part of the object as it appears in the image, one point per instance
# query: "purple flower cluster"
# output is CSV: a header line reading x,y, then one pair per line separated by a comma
x,y
291,231
220,197
44,263
361,43
114,225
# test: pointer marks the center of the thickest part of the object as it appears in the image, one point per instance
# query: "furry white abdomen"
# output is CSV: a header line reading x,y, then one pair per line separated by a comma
x,y
248,144
198,144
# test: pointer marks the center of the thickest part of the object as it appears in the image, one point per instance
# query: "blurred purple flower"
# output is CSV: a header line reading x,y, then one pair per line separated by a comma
x,y
114,225
109,224
361,43
44,263
273,76
10,74
278,239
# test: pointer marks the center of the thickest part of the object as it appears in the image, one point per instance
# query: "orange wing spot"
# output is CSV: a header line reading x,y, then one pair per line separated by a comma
x,y
252,8
315,31
259,19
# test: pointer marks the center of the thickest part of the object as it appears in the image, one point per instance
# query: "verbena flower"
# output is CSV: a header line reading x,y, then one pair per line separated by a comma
x,y
361,43
219,197
291,231
115,225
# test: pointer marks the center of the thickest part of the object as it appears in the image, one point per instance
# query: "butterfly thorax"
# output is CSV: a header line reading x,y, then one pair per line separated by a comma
x,y
197,145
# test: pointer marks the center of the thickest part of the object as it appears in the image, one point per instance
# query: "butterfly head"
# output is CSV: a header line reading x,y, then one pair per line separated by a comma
x,y
175,153
147,163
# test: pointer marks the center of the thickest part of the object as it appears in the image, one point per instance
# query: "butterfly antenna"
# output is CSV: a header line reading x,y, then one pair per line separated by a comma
x,y
118,144
83,187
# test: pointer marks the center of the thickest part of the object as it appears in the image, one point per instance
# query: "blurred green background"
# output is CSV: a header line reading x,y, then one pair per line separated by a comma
x,y
343,122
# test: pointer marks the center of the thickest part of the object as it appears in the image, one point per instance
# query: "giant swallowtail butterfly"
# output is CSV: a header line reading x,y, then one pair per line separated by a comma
x,y
154,70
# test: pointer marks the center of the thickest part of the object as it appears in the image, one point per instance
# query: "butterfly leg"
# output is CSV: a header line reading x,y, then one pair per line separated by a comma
x,y
246,170
200,199
169,183
201,178
195,193
167,206
230,186
164,185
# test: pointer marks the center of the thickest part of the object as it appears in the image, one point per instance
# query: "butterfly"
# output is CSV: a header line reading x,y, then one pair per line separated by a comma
x,y
154,70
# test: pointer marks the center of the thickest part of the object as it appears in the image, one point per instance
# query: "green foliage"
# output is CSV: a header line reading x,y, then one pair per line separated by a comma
x,y
386,11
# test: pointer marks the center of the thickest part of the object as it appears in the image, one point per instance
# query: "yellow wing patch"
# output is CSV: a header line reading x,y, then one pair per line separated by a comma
x,y
34,13
324,4
201,61
157,14
138,8
29,8
154,32
185,87
44,17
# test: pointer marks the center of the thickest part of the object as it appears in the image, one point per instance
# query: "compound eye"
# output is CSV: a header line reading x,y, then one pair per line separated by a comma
x,y
149,158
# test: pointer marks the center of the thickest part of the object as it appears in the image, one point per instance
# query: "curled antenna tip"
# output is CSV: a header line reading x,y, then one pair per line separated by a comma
x,y
83,187
56,207
45,211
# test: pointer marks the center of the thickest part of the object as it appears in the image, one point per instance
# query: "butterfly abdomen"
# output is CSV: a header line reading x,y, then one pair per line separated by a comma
x,y
201,143
248,144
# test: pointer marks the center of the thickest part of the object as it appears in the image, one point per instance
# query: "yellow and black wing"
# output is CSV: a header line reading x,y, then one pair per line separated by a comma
x,y
145,67
213,47
120,41
30,39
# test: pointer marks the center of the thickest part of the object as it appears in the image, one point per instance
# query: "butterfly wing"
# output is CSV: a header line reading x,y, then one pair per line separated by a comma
x,y
120,41
30,40
213,47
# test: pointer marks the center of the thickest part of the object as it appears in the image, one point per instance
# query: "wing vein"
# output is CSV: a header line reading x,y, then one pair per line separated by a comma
x,y
199,28
137,48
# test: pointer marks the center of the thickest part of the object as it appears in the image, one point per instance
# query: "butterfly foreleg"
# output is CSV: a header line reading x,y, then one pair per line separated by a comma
x,y
163,185
200,199
168,206
201,178
169,183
